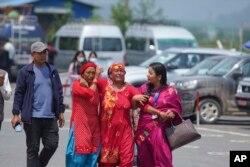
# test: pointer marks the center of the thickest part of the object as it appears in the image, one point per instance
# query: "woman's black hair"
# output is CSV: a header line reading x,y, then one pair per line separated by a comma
x,y
92,52
159,69
77,66
76,54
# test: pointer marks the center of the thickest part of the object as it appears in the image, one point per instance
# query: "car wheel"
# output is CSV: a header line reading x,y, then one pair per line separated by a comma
x,y
210,111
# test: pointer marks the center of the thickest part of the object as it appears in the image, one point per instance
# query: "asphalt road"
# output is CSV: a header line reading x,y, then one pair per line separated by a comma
x,y
230,133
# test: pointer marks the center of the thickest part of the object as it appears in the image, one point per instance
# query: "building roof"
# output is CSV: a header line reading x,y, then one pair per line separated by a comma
x,y
88,2
58,10
12,3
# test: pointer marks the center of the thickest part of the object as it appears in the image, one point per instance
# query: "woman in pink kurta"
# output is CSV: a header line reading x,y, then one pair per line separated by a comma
x,y
162,108
116,132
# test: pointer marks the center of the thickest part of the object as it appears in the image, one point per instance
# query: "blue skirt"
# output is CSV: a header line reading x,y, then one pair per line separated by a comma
x,y
79,160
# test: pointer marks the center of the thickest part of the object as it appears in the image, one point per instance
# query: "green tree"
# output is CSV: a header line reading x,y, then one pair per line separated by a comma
x,y
95,15
147,13
122,15
58,21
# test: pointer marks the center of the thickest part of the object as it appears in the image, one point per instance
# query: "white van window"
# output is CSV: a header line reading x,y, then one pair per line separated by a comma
x,y
102,44
167,43
137,44
68,43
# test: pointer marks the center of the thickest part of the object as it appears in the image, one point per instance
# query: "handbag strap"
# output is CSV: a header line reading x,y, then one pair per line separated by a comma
x,y
156,97
178,115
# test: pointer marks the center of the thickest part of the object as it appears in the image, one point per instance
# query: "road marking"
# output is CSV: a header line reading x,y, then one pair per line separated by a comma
x,y
212,135
225,132
218,153
193,147
240,141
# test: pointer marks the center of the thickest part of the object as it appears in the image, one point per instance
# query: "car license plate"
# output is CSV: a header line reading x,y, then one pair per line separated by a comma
x,y
242,102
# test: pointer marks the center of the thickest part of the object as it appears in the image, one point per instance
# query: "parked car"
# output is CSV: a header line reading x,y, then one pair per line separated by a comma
x,y
178,61
215,90
242,97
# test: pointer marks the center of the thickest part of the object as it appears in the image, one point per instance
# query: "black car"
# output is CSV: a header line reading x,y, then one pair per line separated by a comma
x,y
214,90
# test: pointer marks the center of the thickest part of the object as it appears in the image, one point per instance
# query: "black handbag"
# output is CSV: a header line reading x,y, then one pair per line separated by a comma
x,y
181,134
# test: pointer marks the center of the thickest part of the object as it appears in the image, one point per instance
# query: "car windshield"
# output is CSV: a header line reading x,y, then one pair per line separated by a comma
x,y
223,67
162,58
204,66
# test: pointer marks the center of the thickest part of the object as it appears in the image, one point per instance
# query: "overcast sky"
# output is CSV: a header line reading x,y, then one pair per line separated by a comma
x,y
188,10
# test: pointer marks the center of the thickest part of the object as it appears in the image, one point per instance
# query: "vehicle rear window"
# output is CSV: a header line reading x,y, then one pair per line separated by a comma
x,y
136,44
223,67
102,44
68,43
203,67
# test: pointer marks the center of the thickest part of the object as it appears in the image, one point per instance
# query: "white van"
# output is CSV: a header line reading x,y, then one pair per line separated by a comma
x,y
106,39
144,41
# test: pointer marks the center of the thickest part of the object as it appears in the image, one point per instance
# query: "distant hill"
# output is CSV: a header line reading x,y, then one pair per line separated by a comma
x,y
237,18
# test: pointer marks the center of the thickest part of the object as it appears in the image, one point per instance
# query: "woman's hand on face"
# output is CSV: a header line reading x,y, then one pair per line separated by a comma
x,y
141,98
98,71
83,82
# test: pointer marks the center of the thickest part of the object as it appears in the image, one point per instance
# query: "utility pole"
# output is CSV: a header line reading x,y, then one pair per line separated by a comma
x,y
126,4
240,37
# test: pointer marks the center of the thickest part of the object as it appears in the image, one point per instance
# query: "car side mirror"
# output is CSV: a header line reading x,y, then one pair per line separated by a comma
x,y
151,47
237,74
171,67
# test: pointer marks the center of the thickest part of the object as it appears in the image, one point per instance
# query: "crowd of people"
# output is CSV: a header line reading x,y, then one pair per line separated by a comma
x,y
100,123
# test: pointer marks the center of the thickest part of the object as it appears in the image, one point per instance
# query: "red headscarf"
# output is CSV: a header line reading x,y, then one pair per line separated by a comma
x,y
87,65
116,66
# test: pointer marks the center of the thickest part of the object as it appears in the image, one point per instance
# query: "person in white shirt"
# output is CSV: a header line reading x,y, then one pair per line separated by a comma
x,y
5,92
8,46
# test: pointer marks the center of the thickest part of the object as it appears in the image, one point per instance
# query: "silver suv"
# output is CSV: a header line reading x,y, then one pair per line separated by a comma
x,y
215,89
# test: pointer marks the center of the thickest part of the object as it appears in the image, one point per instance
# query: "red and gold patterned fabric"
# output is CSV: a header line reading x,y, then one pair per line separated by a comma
x,y
116,131
116,66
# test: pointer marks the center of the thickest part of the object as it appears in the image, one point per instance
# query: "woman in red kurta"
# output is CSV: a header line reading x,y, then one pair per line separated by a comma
x,y
84,140
116,132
